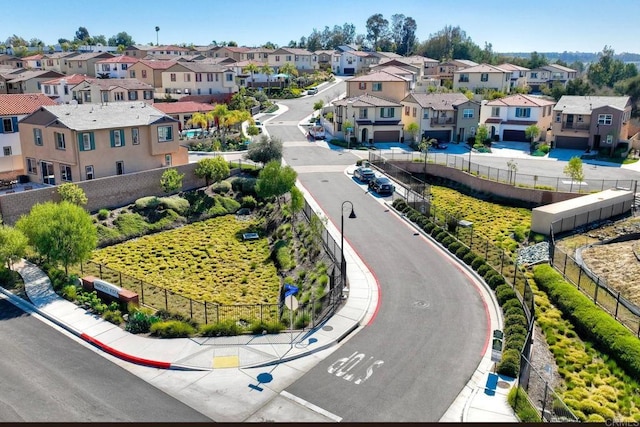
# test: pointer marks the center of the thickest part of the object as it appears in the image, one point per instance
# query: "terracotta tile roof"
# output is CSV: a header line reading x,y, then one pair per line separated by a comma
x,y
15,105
216,98
520,100
182,107
73,79
379,76
119,59
32,57
157,65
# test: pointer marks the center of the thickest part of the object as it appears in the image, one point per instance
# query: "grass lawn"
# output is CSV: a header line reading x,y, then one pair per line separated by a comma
x,y
206,261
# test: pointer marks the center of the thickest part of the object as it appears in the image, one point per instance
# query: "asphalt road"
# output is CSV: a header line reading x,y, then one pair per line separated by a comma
x,y
47,377
431,327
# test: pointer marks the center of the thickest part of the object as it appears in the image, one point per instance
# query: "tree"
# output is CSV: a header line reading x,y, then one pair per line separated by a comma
x,y
573,170
275,180
171,180
290,70
60,232
157,32
267,71
317,106
403,34
449,43
296,203
608,71
412,129
266,150
531,133
253,69
212,169
424,146
377,28
101,39
82,34
201,120
71,193
13,245
537,60
220,115
122,38
482,134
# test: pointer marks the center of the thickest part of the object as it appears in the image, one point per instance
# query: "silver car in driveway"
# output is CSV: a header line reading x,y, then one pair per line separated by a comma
x,y
363,174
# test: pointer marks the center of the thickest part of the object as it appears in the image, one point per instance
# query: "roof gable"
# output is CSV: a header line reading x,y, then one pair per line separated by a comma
x,y
21,104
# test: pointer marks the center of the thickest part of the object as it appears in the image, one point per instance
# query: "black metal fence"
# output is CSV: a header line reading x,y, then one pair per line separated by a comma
x,y
510,175
307,315
541,396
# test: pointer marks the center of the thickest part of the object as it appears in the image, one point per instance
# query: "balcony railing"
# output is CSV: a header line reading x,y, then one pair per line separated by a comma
x,y
442,121
576,126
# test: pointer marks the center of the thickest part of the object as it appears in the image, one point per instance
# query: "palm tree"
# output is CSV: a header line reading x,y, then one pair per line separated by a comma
x,y
289,69
267,71
220,116
157,30
251,68
200,120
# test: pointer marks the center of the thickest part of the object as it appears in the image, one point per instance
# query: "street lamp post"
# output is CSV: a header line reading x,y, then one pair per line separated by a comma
x,y
343,264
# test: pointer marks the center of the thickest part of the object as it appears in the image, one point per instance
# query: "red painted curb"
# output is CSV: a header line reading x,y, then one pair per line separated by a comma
x,y
124,356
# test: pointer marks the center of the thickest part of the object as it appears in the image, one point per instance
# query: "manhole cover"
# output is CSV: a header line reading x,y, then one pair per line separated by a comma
x,y
294,158
327,328
325,180
421,304
503,384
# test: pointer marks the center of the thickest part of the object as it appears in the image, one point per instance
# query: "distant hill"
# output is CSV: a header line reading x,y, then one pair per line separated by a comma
x,y
570,57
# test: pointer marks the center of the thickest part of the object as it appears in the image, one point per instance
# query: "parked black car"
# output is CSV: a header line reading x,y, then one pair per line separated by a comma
x,y
382,186
364,174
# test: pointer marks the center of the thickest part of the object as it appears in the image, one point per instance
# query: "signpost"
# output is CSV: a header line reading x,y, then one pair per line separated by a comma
x,y
496,345
291,303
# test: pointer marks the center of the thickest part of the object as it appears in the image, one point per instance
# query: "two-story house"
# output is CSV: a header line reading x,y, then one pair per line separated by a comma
x,y
150,72
372,119
100,91
11,61
518,74
379,84
481,78
114,68
591,122
60,88
171,50
84,63
548,75
233,52
33,62
54,61
183,110
259,55
328,60
302,59
12,109
509,117
354,62
446,69
27,81
197,78
71,143
442,116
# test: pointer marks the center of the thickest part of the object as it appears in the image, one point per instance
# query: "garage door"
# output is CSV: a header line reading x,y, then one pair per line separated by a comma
x,y
386,136
349,71
571,142
514,135
440,135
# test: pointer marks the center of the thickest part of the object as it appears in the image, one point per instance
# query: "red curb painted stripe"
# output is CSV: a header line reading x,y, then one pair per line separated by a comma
x,y
124,356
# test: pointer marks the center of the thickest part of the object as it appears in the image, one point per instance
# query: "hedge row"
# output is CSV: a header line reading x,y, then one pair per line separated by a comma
x,y
515,325
591,323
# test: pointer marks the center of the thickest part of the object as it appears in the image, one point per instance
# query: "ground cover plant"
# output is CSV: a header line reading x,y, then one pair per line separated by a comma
x,y
204,261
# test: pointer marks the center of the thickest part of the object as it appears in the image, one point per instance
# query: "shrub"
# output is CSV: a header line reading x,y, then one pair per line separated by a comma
x,y
504,293
150,202
514,341
515,319
453,246
69,292
441,235
489,274
447,241
399,204
462,252
477,262
435,231
359,162
177,204
512,303
302,320
230,205
172,329
413,216
270,327
140,322
495,281
113,316
422,221
510,363
428,227
103,214
518,400
512,309
221,187
483,269
248,202
515,329
226,328
468,257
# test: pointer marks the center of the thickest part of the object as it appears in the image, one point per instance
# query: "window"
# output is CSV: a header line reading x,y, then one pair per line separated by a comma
x,y
363,113
198,77
484,77
65,172
534,75
288,58
118,96
120,168
425,114
229,77
605,119
165,133
173,77
47,90
37,136
144,74
167,159
86,142
362,86
133,95
580,119
117,138
464,78
105,67
55,90
277,58
135,136
376,87
148,94
6,150
66,90
523,112
387,113
132,74
415,111
407,110
105,96
609,139
88,172
217,77
7,125
209,77
467,113
123,67
60,143
31,166
495,111
558,117
187,77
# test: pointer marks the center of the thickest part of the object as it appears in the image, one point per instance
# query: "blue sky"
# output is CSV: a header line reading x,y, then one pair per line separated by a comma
x,y
541,25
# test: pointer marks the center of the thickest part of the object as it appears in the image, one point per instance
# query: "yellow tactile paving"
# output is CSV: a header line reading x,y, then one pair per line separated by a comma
x,y
226,362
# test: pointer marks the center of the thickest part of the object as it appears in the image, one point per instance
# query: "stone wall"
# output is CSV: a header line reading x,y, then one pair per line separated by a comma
x,y
110,192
